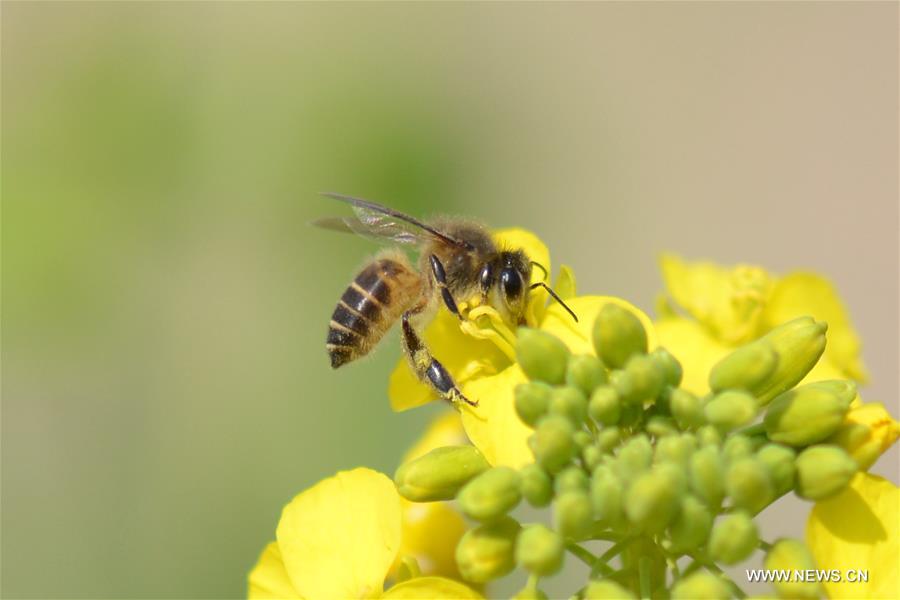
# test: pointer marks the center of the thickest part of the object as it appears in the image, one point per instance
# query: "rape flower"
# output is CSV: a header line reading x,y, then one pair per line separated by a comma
x,y
867,432
338,539
729,307
858,529
430,531
480,354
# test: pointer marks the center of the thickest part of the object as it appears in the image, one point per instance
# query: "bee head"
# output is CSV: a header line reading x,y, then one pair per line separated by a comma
x,y
505,280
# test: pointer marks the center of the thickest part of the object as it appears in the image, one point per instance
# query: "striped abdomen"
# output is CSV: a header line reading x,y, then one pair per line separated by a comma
x,y
381,292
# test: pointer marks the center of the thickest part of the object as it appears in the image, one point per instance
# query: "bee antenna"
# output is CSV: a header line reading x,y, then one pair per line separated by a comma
x,y
555,297
541,267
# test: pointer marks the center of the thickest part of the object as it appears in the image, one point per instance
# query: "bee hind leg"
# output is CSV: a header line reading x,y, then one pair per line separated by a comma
x,y
426,367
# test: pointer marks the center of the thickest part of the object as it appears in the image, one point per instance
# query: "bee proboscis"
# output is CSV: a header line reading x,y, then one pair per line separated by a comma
x,y
458,260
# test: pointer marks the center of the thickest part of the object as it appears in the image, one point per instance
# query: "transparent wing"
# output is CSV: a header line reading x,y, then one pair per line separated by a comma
x,y
373,220
385,231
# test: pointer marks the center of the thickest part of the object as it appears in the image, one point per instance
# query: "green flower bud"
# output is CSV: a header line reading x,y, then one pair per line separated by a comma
x,y
536,485
709,436
676,449
634,457
542,356
530,593
736,447
792,555
585,372
747,484
573,514
806,415
491,494
607,497
540,550
691,527
653,499
604,406
571,478
569,402
646,377
487,551
823,471
733,538
730,410
660,426
844,389
532,401
705,474
618,334
623,384
798,344
608,438
701,585
606,590
668,365
746,368
439,474
779,462
582,439
686,408
552,442
591,456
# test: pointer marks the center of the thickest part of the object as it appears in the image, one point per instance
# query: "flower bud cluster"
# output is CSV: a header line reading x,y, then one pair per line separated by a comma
x,y
622,453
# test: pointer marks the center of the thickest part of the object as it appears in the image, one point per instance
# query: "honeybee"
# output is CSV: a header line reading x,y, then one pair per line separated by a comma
x,y
458,260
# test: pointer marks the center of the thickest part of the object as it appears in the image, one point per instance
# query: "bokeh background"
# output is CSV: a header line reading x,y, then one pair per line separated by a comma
x,y
165,386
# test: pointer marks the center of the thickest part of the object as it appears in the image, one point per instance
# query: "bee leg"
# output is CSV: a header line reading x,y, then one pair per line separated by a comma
x,y
427,368
440,277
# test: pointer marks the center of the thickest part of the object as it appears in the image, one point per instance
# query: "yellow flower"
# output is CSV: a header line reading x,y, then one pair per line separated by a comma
x,y
867,432
858,530
480,354
338,539
726,307
431,530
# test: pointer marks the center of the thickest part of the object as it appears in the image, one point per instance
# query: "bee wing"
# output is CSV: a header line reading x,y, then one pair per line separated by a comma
x,y
376,221
383,231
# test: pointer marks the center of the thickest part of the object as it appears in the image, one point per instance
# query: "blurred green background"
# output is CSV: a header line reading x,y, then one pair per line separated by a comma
x,y
165,386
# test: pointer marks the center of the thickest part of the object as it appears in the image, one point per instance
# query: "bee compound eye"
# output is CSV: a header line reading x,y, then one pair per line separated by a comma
x,y
511,282
486,278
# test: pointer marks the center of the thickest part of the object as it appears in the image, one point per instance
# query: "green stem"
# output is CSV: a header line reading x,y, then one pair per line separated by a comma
x,y
765,546
735,588
597,565
752,430
583,554
644,574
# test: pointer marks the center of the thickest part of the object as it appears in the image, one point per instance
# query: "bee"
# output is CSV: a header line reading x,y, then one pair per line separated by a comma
x,y
458,260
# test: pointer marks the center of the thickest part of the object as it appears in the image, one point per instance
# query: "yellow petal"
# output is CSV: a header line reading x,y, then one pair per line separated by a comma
x,y
445,430
565,286
728,301
431,588
858,529
493,426
695,348
579,336
463,355
799,294
339,538
431,531
867,432
269,580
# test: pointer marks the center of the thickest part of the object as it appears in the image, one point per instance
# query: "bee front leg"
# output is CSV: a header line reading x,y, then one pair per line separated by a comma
x,y
440,278
426,367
